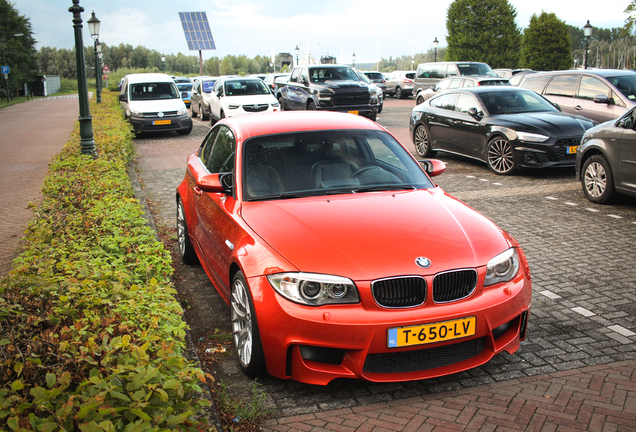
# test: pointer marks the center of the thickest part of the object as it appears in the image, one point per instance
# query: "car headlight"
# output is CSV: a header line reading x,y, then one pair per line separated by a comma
x,y
531,137
325,93
275,104
502,268
314,289
136,114
233,106
182,111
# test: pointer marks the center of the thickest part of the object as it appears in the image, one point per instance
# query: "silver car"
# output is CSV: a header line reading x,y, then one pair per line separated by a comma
x,y
400,84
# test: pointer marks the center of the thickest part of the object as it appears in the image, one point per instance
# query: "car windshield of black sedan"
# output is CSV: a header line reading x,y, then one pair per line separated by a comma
x,y
327,162
515,102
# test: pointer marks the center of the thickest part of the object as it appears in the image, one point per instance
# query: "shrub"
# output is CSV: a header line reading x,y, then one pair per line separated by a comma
x,y
91,336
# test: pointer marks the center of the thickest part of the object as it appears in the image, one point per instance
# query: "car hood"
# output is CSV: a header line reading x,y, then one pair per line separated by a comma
x,y
157,105
555,124
343,84
376,234
249,100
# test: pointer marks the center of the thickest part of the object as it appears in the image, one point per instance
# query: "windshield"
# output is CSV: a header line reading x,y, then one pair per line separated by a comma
x,y
246,87
515,102
626,85
327,162
318,74
475,69
184,87
154,91
374,75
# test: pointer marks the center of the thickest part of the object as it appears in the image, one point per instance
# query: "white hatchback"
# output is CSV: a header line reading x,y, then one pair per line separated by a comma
x,y
239,96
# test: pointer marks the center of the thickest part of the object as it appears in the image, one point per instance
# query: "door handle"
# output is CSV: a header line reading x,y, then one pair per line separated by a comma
x,y
430,117
197,190
578,107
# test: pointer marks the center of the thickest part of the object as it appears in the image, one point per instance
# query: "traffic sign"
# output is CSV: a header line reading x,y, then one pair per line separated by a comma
x,y
5,69
106,69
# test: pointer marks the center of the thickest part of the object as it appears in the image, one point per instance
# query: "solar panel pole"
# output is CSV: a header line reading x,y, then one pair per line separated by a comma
x,y
200,63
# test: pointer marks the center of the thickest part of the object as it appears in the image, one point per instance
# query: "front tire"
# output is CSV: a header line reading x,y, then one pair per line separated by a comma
x,y
380,108
597,180
281,103
419,100
422,142
500,157
193,113
245,332
185,131
311,106
186,250
204,116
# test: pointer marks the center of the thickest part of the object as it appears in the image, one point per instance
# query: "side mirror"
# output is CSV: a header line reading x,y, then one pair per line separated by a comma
x,y
601,99
123,97
474,113
556,105
433,167
210,183
626,123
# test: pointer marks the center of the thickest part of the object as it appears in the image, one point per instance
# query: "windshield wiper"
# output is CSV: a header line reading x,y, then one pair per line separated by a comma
x,y
378,188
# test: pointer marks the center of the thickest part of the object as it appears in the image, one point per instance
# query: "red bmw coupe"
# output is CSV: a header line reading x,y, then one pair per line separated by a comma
x,y
339,257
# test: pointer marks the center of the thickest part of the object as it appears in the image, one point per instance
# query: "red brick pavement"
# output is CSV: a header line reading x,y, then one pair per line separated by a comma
x,y
595,398
31,133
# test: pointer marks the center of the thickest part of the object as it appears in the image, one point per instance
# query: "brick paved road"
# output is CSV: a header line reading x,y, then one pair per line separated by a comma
x,y
31,133
575,371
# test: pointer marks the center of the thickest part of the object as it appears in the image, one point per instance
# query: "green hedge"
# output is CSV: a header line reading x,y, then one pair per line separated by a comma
x,y
91,335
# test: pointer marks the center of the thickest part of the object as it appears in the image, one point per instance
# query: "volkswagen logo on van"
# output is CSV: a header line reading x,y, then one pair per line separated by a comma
x,y
423,262
160,114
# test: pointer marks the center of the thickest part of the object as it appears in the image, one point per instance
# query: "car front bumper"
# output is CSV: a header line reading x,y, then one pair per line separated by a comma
x,y
318,344
148,124
561,153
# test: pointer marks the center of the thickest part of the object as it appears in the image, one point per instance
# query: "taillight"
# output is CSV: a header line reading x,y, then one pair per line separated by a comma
x,y
407,81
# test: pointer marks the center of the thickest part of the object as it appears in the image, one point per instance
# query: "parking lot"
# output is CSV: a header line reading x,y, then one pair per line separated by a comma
x,y
581,258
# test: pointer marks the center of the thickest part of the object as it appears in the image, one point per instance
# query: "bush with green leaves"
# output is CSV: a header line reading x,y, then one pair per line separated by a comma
x,y
91,335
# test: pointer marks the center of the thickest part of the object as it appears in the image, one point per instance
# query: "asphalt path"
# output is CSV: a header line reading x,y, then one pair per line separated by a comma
x,y
576,368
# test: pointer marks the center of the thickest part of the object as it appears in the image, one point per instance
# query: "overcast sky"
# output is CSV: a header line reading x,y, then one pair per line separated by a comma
x,y
368,28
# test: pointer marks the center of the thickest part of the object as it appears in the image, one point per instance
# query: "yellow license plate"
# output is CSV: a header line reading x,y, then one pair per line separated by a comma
x,y
160,122
353,112
431,333
572,149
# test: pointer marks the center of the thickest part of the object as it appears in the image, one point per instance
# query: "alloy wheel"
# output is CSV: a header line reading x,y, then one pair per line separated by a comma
x,y
595,180
500,156
421,141
242,323
181,229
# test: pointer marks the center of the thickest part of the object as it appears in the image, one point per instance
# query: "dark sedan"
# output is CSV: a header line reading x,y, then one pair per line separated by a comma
x,y
506,127
606,159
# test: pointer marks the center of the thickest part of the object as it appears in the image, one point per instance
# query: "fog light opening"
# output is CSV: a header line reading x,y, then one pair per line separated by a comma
x,y
530,159
499,331
332,356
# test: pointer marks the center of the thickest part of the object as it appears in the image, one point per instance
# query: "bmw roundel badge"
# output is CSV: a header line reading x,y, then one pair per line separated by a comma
x,y
423,262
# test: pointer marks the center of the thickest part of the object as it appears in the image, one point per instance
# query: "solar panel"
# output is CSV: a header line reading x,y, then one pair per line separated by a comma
x,y
197,31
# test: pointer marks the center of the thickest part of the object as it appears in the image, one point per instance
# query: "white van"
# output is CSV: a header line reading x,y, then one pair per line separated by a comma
x,y
152,102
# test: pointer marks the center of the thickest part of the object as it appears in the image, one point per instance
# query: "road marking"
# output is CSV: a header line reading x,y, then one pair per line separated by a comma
x,y
571,204
583,311
552,198
550,294
622,330
498,184
615,216
592,210
484,180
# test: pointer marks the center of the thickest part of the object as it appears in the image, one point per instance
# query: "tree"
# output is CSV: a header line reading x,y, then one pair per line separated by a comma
x,y
546,43
17,45
483,30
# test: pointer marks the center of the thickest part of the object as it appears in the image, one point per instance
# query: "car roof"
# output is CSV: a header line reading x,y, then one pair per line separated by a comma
x,y
599,72
488,89
296,121
148,77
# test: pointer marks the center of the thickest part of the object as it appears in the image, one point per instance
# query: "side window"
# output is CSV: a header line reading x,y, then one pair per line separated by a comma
x,y
455,83
439,71
206,147
446,101
536,82
424,71
222,156
295,74
452,70
466,102
304,77
562,85
591,87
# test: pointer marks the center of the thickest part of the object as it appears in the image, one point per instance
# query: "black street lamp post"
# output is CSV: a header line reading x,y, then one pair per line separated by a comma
x,y
587,32
297,51
353,59
87,142
435,45
93,27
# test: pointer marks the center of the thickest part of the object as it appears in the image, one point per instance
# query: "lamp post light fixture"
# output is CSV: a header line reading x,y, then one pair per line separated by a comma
x,y
587,32
87,142
435,45
163,62
353,59
297,51
93,27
